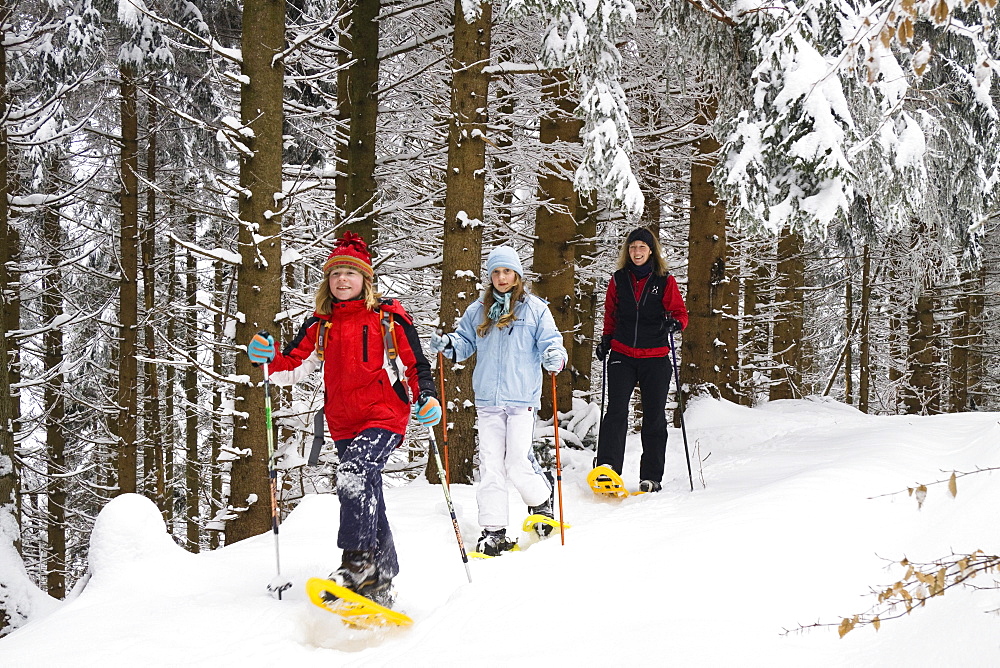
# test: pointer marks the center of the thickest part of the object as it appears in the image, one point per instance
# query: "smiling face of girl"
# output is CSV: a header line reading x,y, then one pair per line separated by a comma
x,y
346,283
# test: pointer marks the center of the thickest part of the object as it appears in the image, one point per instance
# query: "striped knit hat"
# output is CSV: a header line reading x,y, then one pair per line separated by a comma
x,y
350,251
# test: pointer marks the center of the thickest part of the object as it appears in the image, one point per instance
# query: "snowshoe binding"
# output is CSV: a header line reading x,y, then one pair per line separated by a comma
x,y
494,542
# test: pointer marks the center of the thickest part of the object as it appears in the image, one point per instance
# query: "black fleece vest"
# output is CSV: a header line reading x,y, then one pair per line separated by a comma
x,y
640,324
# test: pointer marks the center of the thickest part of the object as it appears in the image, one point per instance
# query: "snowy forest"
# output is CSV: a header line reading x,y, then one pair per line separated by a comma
x,y
823,176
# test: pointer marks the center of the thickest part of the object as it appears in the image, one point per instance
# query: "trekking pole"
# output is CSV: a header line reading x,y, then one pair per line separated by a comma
x,y
677,378
447,497
604,381
444,419
555,424
277,586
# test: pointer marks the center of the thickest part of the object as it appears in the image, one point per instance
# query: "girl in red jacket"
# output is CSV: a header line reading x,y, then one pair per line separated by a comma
x,y
369,390
643,307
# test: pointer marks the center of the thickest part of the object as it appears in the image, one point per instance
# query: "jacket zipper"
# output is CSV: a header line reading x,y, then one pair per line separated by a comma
x,y
364,343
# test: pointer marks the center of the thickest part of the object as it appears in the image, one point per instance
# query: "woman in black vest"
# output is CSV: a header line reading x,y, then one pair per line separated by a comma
x,y
642,309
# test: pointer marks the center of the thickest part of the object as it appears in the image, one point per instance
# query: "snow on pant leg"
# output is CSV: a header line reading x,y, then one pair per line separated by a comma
x,y
654,383
363,522
621,380
492,493
531,485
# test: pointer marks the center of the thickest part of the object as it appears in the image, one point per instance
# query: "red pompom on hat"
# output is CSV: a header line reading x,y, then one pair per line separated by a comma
x,y
350,251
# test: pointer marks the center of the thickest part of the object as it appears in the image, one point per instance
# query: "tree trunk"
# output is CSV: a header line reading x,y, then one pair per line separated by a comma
x,y
152,458
128,298
55,408
10,493
360,85
920,388
192,469
555,226
258,295
585,306
977,306
788,326
214,437
959,395
465,190
706,362
865,348
170,383
848,356
503,169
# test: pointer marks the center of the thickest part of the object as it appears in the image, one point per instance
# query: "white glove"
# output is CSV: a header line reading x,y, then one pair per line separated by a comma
x,y
553,359
440,342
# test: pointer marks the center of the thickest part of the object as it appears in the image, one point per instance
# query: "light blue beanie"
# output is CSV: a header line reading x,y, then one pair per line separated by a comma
x,y
504,256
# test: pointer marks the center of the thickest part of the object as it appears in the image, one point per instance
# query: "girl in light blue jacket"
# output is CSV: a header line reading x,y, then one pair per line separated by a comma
x,y
515,337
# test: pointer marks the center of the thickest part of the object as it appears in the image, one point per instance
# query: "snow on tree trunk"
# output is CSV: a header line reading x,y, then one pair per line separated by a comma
x,y
258,293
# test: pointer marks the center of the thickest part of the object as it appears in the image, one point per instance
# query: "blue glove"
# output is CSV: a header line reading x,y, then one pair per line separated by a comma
x,y
427,410
260,350
553,359
440,342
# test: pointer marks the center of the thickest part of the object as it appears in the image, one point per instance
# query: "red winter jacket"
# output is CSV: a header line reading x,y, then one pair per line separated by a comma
x,y
362,390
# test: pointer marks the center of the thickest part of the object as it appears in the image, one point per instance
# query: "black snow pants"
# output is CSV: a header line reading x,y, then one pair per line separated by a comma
x,y
652,374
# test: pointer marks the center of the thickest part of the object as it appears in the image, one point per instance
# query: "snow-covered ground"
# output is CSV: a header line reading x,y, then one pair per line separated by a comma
x,y
785,531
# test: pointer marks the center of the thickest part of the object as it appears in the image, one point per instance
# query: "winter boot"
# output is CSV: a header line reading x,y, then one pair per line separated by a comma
x,y
544,508
649,486
492,543
357,570
380,592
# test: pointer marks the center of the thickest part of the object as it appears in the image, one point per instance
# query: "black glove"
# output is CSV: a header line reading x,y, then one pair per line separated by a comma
x,y
671,325
603,347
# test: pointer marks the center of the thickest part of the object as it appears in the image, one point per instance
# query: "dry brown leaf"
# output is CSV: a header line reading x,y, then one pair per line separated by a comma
x,y
876,623
953,485
921,496
940,12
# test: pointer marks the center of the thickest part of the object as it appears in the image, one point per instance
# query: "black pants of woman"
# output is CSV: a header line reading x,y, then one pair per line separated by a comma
x,y
652,375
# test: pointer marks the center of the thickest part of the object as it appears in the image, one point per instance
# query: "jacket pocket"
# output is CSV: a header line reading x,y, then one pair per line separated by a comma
x,y
364,343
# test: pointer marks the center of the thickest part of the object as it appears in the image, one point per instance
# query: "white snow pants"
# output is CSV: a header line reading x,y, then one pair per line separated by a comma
x,y
505,434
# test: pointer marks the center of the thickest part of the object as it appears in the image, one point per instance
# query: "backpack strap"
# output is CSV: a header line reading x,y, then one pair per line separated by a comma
x,y
321,339
391,352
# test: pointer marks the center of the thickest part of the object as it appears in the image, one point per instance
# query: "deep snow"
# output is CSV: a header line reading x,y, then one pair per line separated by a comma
x,y
790,528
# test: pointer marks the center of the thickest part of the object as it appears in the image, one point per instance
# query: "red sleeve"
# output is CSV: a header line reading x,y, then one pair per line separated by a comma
x,y
299,349
611,308
673,303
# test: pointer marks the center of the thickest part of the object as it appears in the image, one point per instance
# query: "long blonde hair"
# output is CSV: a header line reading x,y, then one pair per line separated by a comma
x,y
516,294
324,298
655,256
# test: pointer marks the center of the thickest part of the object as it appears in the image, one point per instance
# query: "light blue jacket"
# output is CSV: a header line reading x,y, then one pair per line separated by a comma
x,y
509,360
